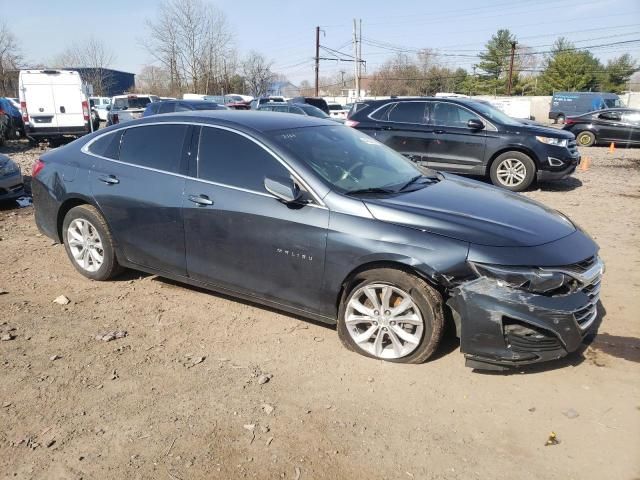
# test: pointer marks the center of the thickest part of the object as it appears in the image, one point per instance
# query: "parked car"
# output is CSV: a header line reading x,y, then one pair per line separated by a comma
x,y
338,111
125,108
234,102
171,106
315,101
5,127
564,104
321,220
468,137
99,108
618,125
53,104
15,125
11,182
257,102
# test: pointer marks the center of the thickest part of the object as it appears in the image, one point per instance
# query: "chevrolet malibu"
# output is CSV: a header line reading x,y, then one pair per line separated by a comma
x,y
323,221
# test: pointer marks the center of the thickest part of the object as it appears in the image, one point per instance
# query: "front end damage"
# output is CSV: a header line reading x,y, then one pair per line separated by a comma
x,y
500,326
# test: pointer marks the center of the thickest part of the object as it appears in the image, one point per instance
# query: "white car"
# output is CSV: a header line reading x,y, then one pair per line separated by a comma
x,y
53,104
337,111
125,108
99,107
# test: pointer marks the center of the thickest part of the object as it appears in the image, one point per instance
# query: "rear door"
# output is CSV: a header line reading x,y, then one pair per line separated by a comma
x,y
68,98
404,127
140,191
455,147
38,95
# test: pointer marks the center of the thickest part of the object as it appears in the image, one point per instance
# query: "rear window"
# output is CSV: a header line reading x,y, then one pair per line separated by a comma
x,y
107,146
131,102
154,146
313,111
335,107
207,106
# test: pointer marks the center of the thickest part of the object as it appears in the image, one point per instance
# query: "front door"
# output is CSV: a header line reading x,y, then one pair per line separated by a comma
x,y
140,192
239,236
455,147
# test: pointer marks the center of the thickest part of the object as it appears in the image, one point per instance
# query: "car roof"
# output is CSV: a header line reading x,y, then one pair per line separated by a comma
x,y
258,121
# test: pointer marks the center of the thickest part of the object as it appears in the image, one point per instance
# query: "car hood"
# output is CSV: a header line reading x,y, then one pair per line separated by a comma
x,y
473,212
540,131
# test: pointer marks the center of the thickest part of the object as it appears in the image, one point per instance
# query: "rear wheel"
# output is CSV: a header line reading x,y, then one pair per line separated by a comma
x,y
89,244
391,315
514,171
585,139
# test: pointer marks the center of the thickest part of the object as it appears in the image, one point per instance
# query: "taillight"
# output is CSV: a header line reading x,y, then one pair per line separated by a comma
x,y
85,110
351,123
569,121
25,113
37,166
115,119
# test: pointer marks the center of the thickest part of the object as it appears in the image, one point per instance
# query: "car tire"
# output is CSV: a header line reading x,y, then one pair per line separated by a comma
x,y
585,139
417,340
91,251
514,171
560,119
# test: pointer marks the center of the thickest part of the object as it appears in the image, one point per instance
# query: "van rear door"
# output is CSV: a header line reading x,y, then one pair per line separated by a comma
x,y
38,96
68,98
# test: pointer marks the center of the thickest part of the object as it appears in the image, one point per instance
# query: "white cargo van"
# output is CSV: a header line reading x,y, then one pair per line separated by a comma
x,y
53,104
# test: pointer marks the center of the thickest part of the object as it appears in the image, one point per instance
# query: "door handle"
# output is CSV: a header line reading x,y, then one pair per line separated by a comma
x,y
387,128
201,200
439,131
109,180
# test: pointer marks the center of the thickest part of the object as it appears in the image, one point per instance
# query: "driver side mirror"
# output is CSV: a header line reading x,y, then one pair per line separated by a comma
x,y
283,189
475,124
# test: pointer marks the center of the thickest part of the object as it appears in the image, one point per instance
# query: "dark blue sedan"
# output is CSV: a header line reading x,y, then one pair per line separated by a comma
x,y
323,221
172,106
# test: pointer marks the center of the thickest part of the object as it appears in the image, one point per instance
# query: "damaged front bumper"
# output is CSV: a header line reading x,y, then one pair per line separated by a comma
x,y
502,327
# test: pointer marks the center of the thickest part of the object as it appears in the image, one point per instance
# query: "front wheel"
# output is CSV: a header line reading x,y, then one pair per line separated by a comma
x,y
514,171
89,244
391,315
585,139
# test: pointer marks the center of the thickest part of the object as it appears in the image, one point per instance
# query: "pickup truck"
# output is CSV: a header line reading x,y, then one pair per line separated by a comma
x,y
125,108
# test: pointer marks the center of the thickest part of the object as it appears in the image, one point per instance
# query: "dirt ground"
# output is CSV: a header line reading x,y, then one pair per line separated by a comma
x,y
183,396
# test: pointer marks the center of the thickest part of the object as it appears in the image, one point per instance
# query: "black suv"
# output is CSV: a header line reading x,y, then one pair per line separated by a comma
x,y
468,137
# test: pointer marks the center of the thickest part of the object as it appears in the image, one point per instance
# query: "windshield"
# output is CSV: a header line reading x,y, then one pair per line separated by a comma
x,y
313,111
347,159
493,113
131,102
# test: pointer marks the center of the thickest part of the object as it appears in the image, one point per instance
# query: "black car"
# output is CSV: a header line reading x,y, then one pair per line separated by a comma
x,y
296,108
316,218
172,106
468,137
618,125
317,102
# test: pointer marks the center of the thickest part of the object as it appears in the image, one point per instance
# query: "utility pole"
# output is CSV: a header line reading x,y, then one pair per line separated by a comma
x,y
317,58
513,53
357,61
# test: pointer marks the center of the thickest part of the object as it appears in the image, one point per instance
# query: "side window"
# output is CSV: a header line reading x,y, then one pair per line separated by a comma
x,y
383,113
107,146
164,107
450,115
408,112
155,146
632,118
231,159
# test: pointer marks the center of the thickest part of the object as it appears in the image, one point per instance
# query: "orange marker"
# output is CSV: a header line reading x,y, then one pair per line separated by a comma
x,y
612,147
585,164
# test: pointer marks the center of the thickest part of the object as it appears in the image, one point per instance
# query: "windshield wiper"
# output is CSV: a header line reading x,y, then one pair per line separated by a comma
x,y
432,179
363,191
410,182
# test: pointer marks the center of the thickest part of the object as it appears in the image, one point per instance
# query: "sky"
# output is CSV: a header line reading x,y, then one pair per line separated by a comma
x,y
284,31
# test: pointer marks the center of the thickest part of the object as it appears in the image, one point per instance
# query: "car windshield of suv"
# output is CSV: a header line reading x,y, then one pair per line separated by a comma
x,y
313,111
493,113
350,161
131,102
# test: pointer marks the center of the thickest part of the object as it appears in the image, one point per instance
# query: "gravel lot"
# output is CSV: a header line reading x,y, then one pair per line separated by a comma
x,y
183,395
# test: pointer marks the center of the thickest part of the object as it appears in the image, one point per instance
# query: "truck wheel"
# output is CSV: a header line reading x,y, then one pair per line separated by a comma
x,y
514,171
585,139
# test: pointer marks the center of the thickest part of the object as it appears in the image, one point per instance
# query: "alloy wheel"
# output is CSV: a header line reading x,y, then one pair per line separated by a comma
x,y
511,172
85,244
384,321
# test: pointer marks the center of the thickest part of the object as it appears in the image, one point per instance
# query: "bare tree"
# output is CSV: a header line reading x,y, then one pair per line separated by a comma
x,y
193,42
257,74
10,61
91,54
155,80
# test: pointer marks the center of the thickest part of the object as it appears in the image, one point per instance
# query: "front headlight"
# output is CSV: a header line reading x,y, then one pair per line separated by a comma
x,y
9,168
558,142
531,279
